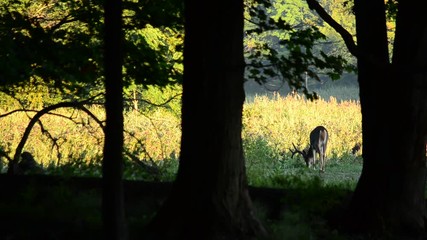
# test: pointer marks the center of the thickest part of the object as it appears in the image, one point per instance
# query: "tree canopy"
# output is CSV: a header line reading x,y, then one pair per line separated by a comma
x,y
59,44
285,40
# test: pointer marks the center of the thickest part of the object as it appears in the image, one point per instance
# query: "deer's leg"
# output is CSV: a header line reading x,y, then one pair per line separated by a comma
x,y
322,159
314,158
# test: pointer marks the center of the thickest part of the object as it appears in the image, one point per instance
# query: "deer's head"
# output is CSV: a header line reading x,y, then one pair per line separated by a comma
x,y
306,153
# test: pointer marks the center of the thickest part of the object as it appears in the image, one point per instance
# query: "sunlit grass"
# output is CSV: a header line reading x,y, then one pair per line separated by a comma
x,y
270,126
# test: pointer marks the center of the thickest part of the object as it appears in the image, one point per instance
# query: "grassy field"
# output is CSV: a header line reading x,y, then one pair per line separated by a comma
x,y
303,198
270,126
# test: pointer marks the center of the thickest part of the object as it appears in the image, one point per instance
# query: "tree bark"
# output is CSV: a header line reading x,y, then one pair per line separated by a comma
x,y
210,197
372,63
410,68
113,214
389,197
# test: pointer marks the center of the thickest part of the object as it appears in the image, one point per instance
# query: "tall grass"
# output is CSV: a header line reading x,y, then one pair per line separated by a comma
x,y
73,133
281,121
270,126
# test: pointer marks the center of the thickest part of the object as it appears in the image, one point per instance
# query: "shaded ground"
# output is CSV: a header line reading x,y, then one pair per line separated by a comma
x,y
49,207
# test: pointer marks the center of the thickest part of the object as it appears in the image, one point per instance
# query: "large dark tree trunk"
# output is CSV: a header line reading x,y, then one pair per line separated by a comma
x,y
112,168
372,63
389,196
210,197
409,68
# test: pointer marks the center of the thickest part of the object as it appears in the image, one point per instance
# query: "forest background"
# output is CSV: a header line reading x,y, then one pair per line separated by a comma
x,y
70,141
34,85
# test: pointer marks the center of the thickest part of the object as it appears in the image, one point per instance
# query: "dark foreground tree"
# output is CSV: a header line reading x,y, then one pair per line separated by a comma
x,y
389,198
112,167
210,198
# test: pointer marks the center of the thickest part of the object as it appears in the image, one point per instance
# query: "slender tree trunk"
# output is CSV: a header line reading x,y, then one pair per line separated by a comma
x,y
389,197
112,167
210,197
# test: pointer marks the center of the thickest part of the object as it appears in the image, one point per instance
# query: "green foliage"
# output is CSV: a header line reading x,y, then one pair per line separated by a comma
x,y
284,42
76,167
42,41
306,206
341,11
33,95
154,56
391,9
61,44
261,161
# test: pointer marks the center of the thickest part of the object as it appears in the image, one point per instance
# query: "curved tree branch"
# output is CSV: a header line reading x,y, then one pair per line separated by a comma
x,y
36,118
346,36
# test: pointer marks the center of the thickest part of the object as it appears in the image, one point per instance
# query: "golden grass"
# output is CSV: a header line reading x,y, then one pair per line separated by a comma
x,y
280,121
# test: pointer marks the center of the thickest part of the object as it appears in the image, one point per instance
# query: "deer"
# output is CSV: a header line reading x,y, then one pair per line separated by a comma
x,y
318,143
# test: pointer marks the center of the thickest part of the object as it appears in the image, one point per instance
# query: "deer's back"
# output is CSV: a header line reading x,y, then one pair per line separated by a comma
x,y
319,137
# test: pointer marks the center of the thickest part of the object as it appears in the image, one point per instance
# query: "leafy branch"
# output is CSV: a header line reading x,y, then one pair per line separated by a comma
x,y
290,54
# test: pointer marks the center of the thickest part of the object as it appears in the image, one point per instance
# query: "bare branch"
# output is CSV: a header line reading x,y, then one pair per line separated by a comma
x,y
154,104
346,36
144,150
151,169
36,118
53,139
60,23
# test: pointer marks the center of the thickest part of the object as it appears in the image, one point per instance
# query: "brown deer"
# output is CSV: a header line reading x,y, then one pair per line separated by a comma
x,y
318,143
